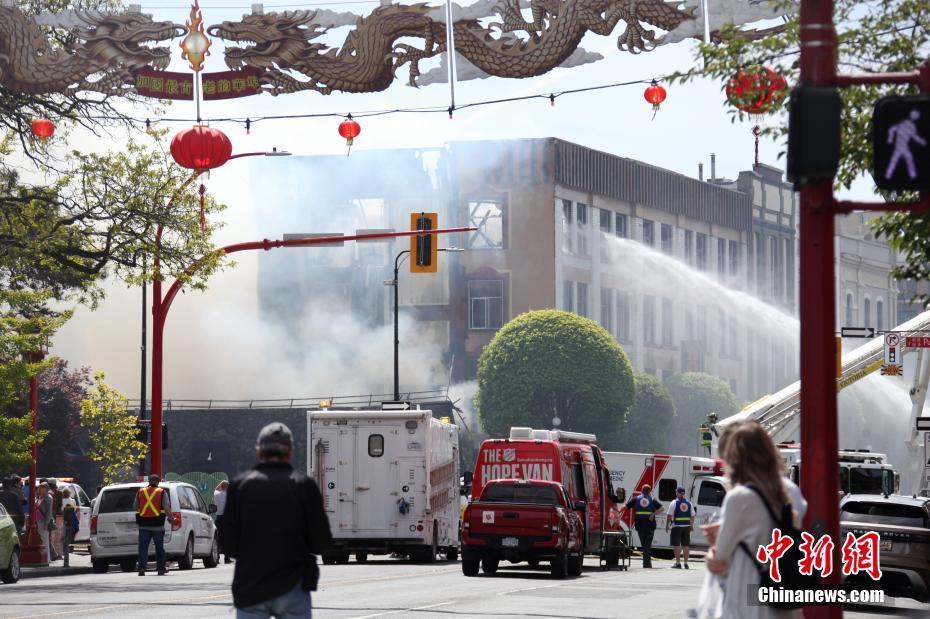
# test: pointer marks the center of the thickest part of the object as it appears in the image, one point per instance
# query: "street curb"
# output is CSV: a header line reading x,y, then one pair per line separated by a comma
x,y
40,572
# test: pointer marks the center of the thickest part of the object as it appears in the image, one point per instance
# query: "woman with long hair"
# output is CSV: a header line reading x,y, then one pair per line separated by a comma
x,y
750,459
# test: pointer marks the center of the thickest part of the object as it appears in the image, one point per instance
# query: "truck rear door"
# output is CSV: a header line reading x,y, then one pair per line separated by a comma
x,y
513,512
375,482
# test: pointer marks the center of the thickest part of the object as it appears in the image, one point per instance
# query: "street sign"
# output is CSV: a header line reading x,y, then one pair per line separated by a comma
x,y
917,342
901,143
893,365
866,332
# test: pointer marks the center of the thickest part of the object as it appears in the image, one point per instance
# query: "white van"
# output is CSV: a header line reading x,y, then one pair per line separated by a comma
x,y
114,535
390,482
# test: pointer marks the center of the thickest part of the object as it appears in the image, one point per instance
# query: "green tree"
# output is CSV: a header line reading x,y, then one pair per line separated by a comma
x,y
648,426
695,395
60,393
549,363
114,437
872,37
17,437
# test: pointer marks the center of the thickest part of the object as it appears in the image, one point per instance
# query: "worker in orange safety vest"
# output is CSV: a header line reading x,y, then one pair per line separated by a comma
x,y
153,507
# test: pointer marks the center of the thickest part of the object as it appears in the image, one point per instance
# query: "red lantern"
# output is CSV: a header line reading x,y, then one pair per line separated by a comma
x,y
756,90
349,129
655,95
42,128
201,148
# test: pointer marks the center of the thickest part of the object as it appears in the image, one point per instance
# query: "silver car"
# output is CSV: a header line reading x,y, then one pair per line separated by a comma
x,y
114,535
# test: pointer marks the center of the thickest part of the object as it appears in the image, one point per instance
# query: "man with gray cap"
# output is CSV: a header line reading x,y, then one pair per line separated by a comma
x,y
274,525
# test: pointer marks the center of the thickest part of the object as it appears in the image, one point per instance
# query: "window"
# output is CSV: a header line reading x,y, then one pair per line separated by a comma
x,y
649,233
774,280
667,488
532,494
607,309
117,500
488,217
578,479
722,318
733,255
722,258
582,299
867,313
849,321
620,226
649,319
760,262
605,219
198,498
568,296
623,315
581,216
186,499
701,247
567,232
879,315
375,445
666,238
689,247
711,494
667,316
485,303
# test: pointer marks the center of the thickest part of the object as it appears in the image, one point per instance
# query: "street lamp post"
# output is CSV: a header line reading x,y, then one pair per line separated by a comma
x,y
397,262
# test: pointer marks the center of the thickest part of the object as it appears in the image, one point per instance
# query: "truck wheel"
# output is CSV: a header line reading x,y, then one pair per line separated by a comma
x,y
533,563
559,566
329,559
186,561
575,565
489,566
452,553
127,565
343,558
99,567
470,565
361,557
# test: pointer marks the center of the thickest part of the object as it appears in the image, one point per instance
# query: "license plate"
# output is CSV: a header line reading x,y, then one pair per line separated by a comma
x,y
510,542
885,545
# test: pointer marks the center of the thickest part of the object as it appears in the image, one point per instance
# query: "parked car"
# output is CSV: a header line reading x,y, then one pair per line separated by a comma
x,y
9,548
114,536
523,520
903,526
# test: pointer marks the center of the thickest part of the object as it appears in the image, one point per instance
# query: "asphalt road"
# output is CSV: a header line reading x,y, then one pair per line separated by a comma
x,y
384,588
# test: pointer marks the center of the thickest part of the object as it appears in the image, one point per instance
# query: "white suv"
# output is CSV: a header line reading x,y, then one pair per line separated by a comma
x,y
114,535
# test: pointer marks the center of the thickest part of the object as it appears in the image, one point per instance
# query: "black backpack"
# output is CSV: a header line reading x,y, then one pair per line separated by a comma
x,y
791,577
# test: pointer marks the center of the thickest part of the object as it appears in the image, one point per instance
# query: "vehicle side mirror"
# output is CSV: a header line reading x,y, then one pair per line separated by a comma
x,y
580,505
211,508
468,477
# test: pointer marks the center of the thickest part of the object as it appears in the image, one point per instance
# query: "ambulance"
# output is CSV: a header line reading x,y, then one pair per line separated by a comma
x,y
389,480
569,458
702,479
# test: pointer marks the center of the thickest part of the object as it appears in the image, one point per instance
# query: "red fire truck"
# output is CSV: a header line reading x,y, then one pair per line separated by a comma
x,y
569,458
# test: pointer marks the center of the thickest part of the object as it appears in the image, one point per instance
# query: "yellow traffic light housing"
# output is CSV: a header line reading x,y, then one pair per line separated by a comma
x,y
423,248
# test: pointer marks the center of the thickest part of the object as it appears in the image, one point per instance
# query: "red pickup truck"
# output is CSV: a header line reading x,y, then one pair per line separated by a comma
x,y
523,520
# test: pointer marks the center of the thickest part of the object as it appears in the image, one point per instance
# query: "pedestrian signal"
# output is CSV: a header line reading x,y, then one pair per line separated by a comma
x,y
423,248
901,143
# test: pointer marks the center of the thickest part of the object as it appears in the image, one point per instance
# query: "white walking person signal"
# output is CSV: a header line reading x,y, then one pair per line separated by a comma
x,y
902,134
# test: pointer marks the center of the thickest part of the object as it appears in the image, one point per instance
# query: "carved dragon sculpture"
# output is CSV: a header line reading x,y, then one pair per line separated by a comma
x,y
100,54
367,61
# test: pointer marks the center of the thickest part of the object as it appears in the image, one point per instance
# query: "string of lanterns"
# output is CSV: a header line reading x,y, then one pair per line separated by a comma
x,y
754,90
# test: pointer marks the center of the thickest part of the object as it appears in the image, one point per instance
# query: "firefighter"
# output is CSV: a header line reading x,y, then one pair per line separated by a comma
x,y
680,520
153,507
645,509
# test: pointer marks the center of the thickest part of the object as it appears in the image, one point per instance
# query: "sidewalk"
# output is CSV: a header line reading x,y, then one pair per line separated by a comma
x,y
79,564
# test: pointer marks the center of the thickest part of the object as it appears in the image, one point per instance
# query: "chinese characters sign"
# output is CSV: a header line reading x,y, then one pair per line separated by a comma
x,y
231,84
858,554
151,82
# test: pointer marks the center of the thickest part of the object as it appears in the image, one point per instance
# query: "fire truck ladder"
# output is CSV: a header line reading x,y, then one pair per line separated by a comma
x,y
779,413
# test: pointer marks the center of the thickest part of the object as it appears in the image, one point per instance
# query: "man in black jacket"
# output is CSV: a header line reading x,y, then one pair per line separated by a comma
x,y
274,525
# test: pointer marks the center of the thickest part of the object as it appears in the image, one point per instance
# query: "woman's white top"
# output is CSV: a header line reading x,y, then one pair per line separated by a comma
x,y
744,518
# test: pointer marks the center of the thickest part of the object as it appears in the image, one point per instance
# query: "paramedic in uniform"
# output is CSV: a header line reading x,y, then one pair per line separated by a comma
x,y
645,509
681,520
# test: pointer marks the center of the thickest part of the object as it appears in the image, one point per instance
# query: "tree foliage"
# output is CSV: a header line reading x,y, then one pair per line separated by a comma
x,y
695,395
550,363
17,437
892,35
114,437
60,393
647,428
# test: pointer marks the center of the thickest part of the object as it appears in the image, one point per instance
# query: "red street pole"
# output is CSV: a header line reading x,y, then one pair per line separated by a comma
x,y
819,441
33,550
161,306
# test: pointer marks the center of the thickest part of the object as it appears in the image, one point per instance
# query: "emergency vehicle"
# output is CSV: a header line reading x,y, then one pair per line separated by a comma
x,y
569,458
390,482
861,471
702,479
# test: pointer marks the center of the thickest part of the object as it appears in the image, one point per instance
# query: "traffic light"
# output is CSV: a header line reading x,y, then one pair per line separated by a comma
x,y
423,248
142,427
901,143
813,134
